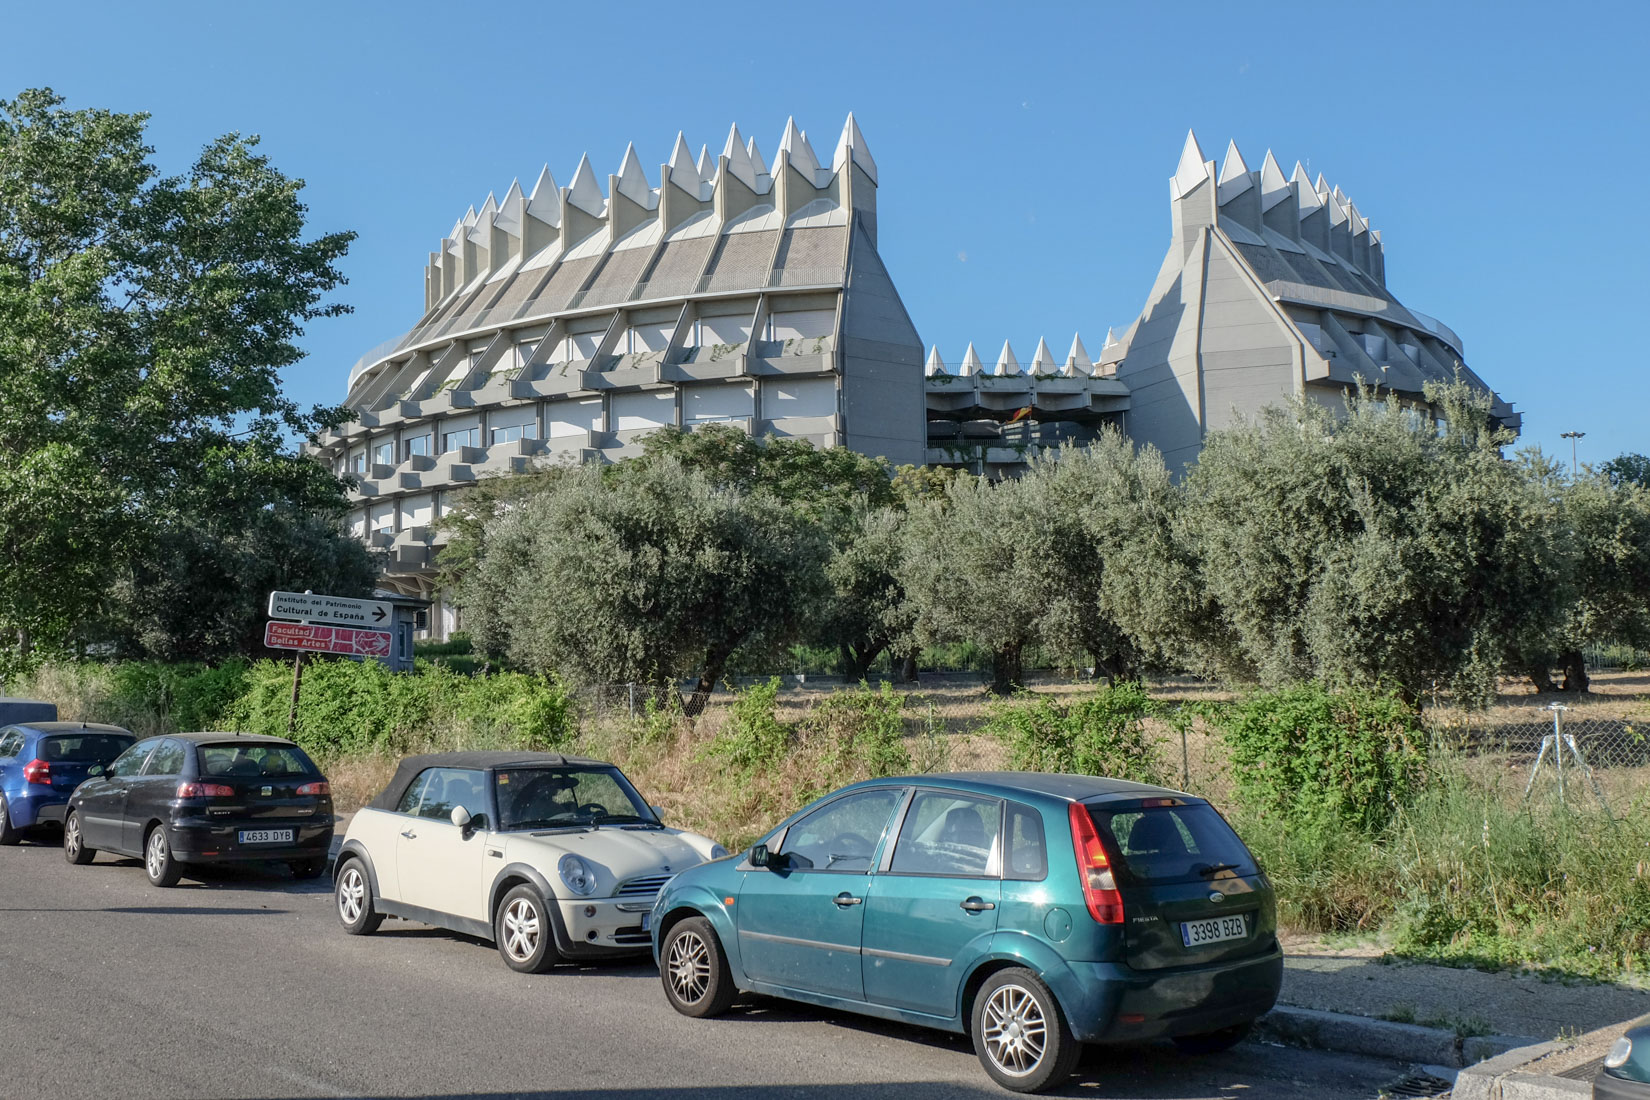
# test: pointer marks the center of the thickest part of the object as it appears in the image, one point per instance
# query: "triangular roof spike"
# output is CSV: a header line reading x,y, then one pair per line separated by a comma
x,y
484,220
1234,175
683,172
752,151
1111,338
511,209
1192,169
1006,362
707,167
935,364
1078,357
489,207
1273,187
545,201
632,178
1360,224
851,146
971,362
739,161
1340,197
1321,187
1310,200
795,143
584,192
1337,211
1042,360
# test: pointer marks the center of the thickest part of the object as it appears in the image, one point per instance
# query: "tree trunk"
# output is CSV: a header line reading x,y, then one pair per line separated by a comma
x,y
715,661
1006,674
857,660
906,670
1575,671
1542,677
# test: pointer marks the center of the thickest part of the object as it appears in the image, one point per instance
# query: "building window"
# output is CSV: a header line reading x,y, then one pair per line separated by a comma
x,y
384,453
358,462
513,432
418,445
468,437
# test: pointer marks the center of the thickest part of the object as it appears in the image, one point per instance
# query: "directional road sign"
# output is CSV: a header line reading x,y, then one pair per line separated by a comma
x,y
314,638
313,608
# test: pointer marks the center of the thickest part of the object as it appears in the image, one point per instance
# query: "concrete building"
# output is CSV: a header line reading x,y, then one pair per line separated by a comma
x,y
564,323
1271,288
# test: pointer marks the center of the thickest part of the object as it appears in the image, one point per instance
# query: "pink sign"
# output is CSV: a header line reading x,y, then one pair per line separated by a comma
x,y
347,640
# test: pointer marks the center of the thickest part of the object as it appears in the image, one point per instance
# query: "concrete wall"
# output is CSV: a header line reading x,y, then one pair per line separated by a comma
x,y
882,385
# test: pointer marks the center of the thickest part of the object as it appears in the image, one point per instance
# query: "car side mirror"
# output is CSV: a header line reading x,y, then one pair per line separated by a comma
x,y
658,812
94,771
461,818
760,856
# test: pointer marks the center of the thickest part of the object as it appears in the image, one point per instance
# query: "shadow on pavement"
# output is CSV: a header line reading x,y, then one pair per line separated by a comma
x,y
150,910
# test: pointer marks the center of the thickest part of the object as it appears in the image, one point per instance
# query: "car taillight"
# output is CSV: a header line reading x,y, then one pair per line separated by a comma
x,y
37,771
204,790
1094,867
323,789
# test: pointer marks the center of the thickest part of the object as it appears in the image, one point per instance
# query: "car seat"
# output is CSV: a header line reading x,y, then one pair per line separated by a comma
x,y
963,826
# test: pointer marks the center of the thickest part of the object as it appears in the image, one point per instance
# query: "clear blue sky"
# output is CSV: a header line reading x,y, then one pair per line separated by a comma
x,y
1502,148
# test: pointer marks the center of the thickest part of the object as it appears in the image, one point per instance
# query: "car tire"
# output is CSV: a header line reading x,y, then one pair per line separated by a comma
x,y
1020,1034
74,841
309,868
352,893
163,870
694,970
522,930
1213,1042
9,833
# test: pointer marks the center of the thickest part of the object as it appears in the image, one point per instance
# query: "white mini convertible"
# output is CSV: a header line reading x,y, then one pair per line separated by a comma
x,y
548,856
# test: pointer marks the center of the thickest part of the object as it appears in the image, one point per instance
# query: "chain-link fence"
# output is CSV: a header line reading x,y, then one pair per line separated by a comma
x,y
1556,751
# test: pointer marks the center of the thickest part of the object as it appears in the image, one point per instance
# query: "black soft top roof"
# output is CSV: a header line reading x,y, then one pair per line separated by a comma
x,y
410,767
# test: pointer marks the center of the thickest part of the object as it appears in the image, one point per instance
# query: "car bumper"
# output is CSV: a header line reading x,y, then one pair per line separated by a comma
x,y
31,808
1606,1087
203,841
1124,1005
606,926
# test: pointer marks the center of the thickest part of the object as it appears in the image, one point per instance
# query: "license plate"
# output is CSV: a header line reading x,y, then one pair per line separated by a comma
x,y
647,921
266,836
1196,933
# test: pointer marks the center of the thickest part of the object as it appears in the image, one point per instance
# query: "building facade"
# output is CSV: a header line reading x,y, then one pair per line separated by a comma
x,y
565,323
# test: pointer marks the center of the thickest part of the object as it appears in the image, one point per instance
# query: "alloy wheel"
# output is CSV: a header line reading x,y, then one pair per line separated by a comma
x,y
71,836
521,929
352,895
1015,1030
689,966
155,855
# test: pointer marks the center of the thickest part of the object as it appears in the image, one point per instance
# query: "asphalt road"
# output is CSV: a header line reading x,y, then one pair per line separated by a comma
x,y
243,985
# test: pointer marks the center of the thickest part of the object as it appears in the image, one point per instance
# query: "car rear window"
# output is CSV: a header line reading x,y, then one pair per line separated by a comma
x,y
254,761
84,748
1174,843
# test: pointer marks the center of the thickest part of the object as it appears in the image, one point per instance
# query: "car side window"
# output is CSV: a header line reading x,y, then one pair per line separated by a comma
x,y
841,835
1027,850
11,743
949,834
415,792
449,788
167,759
131,761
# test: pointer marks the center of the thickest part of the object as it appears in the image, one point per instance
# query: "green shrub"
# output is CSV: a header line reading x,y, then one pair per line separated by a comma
x,y
1103,734
864,729
1311,755
753,737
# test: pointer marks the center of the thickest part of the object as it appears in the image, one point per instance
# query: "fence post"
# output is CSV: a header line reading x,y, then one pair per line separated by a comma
x,y
1558,710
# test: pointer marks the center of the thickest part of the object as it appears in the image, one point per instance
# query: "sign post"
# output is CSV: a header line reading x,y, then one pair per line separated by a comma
x,y
315,632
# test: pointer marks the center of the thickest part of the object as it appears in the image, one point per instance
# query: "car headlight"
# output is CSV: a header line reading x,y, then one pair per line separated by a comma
x,y
718,852
577,874
1619,1053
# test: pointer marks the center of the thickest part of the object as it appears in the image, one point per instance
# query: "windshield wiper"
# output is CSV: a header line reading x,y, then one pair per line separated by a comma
x,y
548,823
1210,869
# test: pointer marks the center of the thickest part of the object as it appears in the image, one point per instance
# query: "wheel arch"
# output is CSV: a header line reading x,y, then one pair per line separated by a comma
x,y
525,874
354,849
1022,952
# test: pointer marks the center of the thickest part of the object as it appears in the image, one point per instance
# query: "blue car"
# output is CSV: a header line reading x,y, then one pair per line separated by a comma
x,y
1033,912
41,763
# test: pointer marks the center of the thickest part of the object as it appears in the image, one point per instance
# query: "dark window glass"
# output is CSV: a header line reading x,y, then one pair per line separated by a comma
x,y
841,835
445,789
11,743
88,748
167,759
415,791
255,761
539,798
131,761
417,445
1175,843
949,834
1027,851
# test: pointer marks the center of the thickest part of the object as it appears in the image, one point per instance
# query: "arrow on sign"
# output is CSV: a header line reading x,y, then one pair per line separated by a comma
x,y
378,615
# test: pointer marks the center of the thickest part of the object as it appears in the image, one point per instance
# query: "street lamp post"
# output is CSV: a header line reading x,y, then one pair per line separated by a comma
x,y
1572,437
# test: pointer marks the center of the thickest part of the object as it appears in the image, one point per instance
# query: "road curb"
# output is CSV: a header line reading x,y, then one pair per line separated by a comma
x,y
1337,1031
1499,1078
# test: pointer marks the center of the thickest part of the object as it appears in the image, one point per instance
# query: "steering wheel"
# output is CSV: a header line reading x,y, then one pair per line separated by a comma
x,y
592,809
854,843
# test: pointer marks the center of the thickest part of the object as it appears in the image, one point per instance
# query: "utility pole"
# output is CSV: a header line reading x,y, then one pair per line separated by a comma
x,y
1572,437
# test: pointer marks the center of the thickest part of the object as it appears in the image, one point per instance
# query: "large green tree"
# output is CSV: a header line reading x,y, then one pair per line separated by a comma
x,y
652,576
144,323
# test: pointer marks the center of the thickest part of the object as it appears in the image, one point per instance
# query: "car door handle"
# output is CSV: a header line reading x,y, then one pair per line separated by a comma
x,y
977,905
409,834
846,899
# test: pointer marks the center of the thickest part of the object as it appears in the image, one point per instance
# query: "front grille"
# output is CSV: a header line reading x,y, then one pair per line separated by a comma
x,y
644,887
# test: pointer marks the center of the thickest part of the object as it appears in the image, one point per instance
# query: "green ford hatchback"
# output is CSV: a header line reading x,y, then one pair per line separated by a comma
x,y
1033,912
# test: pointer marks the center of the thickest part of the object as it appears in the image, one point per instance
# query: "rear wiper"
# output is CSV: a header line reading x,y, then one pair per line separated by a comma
x,y
1211,869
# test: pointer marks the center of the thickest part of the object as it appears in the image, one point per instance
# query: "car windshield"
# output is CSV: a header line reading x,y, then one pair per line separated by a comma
x,y
568,797
85,748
